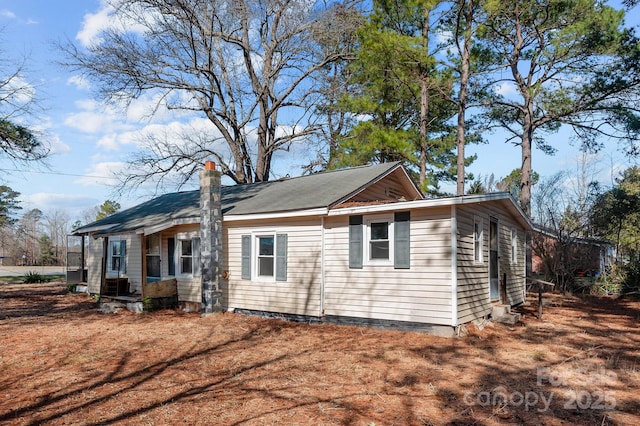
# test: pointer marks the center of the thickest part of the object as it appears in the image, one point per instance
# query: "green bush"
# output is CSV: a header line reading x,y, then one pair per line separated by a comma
x,y
32,277
71,287
631,280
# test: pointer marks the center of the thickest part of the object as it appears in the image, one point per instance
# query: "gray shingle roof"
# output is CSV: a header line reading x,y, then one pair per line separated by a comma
x,y
300,193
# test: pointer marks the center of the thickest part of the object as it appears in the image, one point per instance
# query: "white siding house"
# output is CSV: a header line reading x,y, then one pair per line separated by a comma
x,y
357,245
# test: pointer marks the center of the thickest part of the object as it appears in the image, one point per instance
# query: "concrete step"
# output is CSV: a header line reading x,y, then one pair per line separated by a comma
x,y
511,318
500,310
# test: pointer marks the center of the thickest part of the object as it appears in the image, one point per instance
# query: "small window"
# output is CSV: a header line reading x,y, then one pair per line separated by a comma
x,y
117,255
266,258
477,240
379,247
379,242
188,259
514,246
152,243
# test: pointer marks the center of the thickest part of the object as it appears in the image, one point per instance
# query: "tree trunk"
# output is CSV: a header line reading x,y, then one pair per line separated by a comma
x,y
526,171
462,101
424,106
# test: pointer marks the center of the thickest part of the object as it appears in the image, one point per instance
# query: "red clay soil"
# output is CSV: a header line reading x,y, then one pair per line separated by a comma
x,y
64,363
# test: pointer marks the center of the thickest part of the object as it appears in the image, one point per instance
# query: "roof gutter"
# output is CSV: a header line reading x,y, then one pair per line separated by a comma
x,y
91,229
433,202
321,211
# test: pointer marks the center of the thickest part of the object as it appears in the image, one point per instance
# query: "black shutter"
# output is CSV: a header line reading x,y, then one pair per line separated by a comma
x,y
402,240
171,255
355,242
123,256
246,257
281,257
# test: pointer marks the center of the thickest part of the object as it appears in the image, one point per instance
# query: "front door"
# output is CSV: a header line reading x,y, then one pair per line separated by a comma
x,y
494,284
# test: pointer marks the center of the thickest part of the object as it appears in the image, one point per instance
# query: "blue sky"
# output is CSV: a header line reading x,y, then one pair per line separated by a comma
x,y
89,142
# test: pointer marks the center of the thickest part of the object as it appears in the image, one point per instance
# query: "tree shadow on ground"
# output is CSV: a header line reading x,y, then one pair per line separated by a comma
x,y
169,367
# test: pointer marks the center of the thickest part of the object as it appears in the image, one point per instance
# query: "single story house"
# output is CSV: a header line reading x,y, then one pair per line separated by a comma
x,y
557,252
357,245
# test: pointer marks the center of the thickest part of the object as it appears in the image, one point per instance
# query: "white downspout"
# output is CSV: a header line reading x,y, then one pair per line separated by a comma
x,y
321,308
454,267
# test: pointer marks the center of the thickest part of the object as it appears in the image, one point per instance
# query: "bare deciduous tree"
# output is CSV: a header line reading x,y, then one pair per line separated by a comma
x,y
246,65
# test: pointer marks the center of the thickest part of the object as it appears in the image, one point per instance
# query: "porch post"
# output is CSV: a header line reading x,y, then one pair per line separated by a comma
x,y
210,239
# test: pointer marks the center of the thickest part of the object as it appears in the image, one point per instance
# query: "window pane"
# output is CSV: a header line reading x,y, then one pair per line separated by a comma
x,y
380,231
171,249
153,244
266,246
115,248
153,266
379,249
265,266
115,263
186,247
185,263
476,242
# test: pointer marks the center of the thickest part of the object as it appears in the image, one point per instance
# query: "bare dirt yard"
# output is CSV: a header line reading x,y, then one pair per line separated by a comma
x,y
64,363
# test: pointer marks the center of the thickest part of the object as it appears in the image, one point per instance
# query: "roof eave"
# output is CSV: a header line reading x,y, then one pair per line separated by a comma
x,y
437,202
376,180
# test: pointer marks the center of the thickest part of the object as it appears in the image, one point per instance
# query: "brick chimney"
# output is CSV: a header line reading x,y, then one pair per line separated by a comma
x,y
210,239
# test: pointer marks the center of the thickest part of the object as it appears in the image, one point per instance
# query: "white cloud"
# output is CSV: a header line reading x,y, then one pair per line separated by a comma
x,y
90,122
18,90
505,89
58,147
109,142
80,82
49,200
176,132
102,173
96,118
7,14
94,23
106,18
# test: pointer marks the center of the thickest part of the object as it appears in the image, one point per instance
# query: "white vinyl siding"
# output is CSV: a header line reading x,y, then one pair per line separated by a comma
x,y
390,188
189,287
515,249
473,277
300,293
421,293
94,256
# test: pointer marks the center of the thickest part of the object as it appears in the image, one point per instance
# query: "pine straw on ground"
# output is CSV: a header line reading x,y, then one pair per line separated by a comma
x,y
64,363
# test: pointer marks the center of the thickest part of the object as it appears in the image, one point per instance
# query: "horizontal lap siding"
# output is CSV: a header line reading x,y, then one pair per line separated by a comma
x,y
134,262
94,263
189,289
132,259
300,294
473,279
390,188
420,294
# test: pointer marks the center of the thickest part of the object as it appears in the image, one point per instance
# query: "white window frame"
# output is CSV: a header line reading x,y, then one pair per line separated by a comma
x,y
185,236
149,253
514,246
255,256
478,240
367,260
113,241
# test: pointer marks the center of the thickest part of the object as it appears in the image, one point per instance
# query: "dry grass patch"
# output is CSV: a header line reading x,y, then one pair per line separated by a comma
x,y
62,362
